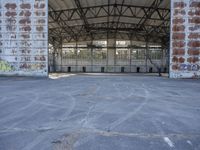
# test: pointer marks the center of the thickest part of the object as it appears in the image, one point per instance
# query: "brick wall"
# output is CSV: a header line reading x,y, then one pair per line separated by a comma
x,y
24,37
185,39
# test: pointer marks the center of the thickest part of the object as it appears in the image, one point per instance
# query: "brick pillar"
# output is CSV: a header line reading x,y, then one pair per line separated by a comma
x,y
24,37
185,39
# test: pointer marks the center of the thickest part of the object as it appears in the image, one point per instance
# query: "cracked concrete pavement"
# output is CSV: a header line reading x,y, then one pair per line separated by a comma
x,y
99,112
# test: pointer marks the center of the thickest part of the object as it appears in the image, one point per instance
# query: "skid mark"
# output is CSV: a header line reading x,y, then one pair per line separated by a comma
x,y
85,120
13,115
86,135
35,142
129,115
65,116
168,141
189,142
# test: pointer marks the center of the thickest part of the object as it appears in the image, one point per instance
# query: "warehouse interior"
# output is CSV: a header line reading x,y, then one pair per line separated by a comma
x,y
48,102
109,36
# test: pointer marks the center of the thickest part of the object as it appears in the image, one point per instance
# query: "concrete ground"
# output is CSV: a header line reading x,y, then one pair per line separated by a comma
x,y
99,112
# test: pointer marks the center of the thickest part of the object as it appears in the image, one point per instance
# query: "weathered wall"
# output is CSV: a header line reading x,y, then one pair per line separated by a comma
x,y
24,37
185,39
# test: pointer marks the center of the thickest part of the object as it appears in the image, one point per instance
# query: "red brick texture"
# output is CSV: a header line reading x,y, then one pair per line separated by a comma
x,y
178,36
193,59
194,36
178,51
179,5
193,52
178,28
185,35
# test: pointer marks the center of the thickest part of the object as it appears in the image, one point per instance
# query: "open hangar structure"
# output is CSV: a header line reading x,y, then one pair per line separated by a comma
x,y
109,35
100,36
100,111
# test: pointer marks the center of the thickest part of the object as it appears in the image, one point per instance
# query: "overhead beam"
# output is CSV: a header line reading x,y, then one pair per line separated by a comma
x,y
102,11
119,35
152,9
119,26
59,20
118,20
82,15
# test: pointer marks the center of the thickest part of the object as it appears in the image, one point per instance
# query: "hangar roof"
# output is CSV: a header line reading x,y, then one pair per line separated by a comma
x,y
83,20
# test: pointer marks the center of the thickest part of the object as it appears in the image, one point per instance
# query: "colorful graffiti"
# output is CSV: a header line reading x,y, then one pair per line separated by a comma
x,y
5,66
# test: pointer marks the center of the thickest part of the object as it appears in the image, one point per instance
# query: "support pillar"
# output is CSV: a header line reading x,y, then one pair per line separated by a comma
x,y
54,57
61,54
130,54
185,39
24,40
92,56
146,55
58,56
163,59
111,52
54,60
76,51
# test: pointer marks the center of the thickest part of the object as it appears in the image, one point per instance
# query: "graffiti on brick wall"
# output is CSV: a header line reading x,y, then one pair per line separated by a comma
x,y
5,66
23,37
185,38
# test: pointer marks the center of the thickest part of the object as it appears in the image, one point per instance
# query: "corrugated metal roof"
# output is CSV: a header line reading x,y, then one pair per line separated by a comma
x,y
96,11
69,4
